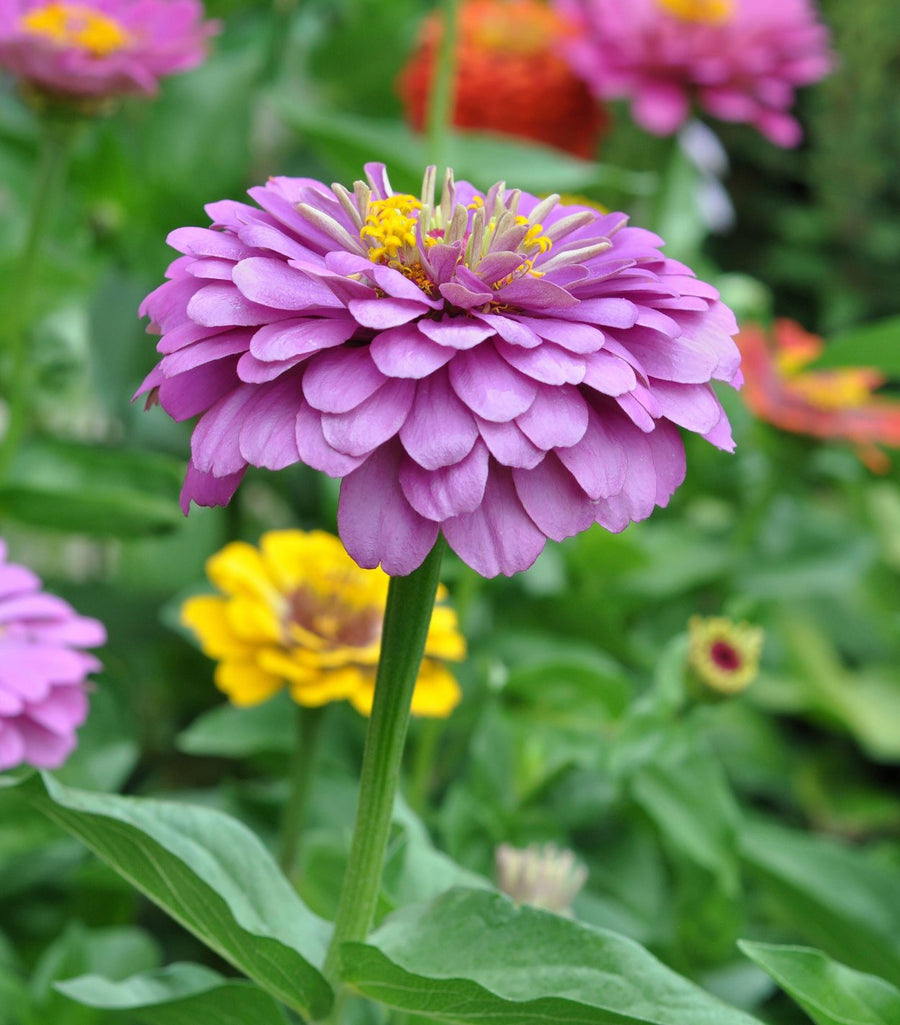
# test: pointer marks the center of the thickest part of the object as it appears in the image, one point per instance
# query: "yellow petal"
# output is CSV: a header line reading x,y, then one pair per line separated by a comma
x,y
333,685
444,639
254,621
238,569
206,616
437,693
435,696
246,683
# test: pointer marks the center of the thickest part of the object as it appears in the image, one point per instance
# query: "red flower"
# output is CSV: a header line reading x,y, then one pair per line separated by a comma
x,y
510,77
824,403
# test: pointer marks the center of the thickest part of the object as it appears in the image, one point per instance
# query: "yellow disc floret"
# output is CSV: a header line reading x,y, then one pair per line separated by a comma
x,y
390,227
710,12
75,25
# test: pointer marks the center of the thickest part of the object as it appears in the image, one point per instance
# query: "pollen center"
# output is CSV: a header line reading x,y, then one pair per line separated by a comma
x,y
709,12
74,25
390,227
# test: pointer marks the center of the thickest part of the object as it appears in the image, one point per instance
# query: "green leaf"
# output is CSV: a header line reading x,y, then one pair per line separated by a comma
x,y
871,345
471,956
181,994
88,489
684,791
211,874
830,894
232,732
829,992
349,141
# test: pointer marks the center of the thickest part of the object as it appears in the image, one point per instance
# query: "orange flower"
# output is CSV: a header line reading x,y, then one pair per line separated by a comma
x,y
824,403
510,77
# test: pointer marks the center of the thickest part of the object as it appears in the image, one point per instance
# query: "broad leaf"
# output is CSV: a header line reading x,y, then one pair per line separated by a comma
x,y
211,874
93,490
830,894
684,790
829,992
472,956
181,994
232,732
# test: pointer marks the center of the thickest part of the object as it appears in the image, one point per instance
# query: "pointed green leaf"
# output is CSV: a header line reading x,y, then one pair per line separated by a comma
x,y
211,874
831,894
472,956
92,489
829,992
181,994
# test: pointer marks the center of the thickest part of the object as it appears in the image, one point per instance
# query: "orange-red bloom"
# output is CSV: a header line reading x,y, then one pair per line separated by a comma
x,y
510,78
824,403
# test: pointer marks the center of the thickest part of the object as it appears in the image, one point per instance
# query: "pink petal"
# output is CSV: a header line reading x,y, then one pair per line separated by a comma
x,y
558,417
405,352
376,522
499,536
339,380
371,423
489,386
553,499
439,430
440,494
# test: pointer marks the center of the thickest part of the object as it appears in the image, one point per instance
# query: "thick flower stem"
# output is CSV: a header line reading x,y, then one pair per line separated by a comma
x,y
443,89
407,617
303,757
49,177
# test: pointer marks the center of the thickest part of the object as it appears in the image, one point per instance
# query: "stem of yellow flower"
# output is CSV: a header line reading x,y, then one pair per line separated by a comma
x,y
443,89
407,617
303,757
49,177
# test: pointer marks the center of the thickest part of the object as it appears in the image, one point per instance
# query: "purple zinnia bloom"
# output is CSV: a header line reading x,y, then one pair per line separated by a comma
x,y
741,59
101,48
497,367
43,697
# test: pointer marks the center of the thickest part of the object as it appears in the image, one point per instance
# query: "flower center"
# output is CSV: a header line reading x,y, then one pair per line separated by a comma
x,y
707,12
331,619
725,656
394,225
74,25
390,228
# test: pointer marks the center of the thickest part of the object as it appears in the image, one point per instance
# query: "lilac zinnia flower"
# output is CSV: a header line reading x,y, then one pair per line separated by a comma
x,y
101,48
43,696
496,367
741,59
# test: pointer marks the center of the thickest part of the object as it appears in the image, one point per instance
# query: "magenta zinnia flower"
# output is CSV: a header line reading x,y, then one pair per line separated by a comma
x,y
101,48
497,367
741,59
43,697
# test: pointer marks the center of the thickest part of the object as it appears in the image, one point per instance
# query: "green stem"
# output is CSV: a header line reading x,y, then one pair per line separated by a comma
x,y
306,744
443,89
282,16
406,620
49,177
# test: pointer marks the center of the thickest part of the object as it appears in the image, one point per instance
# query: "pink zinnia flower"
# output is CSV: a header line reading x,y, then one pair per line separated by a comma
x,y
741,59
43,697
101,48
497,367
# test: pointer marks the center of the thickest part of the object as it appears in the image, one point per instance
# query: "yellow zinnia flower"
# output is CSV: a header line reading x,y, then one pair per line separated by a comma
x,y
299,612
723,654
